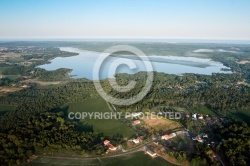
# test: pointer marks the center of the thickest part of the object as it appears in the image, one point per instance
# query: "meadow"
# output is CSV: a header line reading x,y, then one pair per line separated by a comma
x,y
135,159
203,110
107,126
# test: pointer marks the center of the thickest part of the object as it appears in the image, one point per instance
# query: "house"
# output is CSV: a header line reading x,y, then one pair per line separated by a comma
x,y
136,140
165,137
179,132
172,135
106,142
136,122
200,117
109,145
112,147
205,136
194,116
151,153
199,139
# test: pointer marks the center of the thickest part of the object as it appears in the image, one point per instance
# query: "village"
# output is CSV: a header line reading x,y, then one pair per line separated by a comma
x,y
166,143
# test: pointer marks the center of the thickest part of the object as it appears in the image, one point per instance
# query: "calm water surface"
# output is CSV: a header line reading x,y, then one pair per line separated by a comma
x,y
82,65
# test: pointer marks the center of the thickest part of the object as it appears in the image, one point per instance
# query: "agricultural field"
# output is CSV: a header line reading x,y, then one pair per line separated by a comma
x,y
42,161
161,123
107,126
134,159
203,110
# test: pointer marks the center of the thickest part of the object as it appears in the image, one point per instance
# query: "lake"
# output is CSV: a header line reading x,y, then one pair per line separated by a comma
x,y
82,65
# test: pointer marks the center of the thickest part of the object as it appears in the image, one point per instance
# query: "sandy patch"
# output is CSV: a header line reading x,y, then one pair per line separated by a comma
x,y
9,89
11,55
243,62
242,83
37,59
42,83
161,123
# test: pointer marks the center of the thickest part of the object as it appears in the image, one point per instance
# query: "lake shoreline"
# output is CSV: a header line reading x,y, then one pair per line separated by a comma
x,y
82,65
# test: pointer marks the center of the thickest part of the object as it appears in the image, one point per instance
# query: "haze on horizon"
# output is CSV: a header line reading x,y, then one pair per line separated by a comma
x,y
178,19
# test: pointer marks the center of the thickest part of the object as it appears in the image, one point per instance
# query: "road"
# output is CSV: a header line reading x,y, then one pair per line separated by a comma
x,y
113,154
212,137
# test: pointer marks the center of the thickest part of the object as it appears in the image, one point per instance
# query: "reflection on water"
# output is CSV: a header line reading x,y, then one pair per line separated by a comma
x,y
82,65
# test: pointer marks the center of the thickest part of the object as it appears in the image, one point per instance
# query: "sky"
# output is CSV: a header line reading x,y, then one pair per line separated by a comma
x,y
180,19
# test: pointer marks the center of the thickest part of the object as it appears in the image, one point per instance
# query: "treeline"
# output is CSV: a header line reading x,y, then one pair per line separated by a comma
x,y
54,75
219,92
39,73
18,70
6,81
42,56
46,133
231,59
37,126
37,100
230,143
235,144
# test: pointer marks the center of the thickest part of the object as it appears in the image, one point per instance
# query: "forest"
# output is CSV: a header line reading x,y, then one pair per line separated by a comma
x,y
235,145
40,125
220,92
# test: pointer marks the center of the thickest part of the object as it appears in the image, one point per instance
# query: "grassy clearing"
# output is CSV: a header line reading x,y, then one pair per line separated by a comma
x,y
16,59
135,159
12,77
179,109
41,161
240,115
203,110
107,126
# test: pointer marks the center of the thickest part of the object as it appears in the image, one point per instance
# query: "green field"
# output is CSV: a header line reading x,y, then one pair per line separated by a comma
x,y
107,126
12,77
203,110
16,59
136,159
240,115
6,108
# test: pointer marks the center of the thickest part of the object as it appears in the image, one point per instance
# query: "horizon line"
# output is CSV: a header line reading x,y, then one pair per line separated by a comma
x,y
134,39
